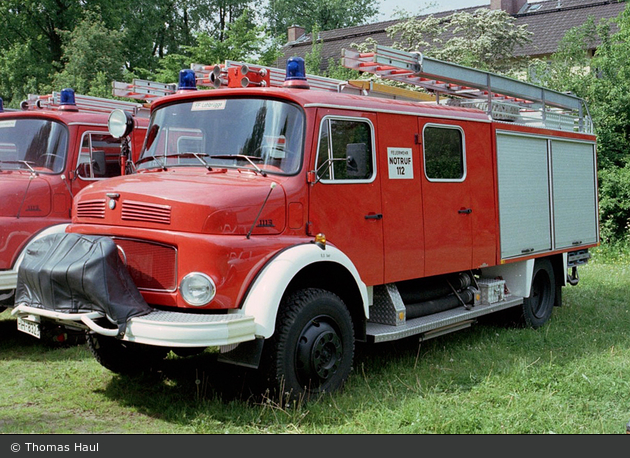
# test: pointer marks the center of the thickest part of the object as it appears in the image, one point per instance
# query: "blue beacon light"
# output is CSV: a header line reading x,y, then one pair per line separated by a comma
x,y
67,100
187,80
296,74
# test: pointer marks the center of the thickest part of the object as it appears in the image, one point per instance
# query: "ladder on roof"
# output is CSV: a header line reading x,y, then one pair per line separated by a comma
x,y
226,75
83,103
142,89
241,74
501,97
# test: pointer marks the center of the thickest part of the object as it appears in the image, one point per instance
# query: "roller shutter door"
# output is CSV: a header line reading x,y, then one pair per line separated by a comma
x,y
524,201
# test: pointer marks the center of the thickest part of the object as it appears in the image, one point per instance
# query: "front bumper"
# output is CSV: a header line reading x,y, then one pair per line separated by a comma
x,y
159,328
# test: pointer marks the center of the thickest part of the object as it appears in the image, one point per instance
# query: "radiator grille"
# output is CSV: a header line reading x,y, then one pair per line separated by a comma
x,y
152,266
91,208
149,213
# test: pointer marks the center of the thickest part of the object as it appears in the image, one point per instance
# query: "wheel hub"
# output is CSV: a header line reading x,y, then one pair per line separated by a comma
x,y
319,351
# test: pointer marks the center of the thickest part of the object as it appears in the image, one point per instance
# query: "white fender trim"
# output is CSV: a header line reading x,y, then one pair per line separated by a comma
x,y
8,278
264,297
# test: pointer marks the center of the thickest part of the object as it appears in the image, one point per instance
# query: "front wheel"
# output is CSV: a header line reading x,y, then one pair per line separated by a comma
x,y
122,357
313,348
538,306
7,299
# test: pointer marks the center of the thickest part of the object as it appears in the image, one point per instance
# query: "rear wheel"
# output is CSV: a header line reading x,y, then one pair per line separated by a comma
x,y
125,358
313,348
538,306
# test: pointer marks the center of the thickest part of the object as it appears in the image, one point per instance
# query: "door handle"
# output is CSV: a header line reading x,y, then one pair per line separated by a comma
x,y
374,216
465,211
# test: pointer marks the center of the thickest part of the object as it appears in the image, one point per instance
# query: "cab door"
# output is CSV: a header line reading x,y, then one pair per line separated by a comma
x,y
345,199
447,200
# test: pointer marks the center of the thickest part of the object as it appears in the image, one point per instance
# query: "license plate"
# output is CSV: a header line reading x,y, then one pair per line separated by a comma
x,y
28,327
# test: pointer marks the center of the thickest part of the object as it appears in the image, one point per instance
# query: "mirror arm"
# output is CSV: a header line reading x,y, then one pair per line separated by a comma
x,y
327,162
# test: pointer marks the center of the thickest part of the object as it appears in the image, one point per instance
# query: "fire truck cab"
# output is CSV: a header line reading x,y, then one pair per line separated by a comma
x,y
283,222
52,148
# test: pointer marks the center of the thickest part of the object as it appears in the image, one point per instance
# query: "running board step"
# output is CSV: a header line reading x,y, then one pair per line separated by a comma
x,y
438,323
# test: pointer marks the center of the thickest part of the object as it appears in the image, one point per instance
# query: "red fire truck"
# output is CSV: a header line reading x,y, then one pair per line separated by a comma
x,y
52,148
282,222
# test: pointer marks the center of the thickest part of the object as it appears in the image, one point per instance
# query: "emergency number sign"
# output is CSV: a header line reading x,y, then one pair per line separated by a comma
x,y
400,163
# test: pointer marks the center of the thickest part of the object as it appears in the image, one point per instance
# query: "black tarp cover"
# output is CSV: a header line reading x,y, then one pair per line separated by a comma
x,y
75,273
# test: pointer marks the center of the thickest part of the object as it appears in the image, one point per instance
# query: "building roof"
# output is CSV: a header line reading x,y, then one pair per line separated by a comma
x,y
547,20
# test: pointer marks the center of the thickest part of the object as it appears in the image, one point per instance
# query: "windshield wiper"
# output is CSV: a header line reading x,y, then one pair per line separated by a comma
x,y
26,163
198,156
142,160
249,159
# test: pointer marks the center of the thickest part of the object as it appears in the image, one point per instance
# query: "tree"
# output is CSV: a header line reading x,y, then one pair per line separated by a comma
x,y
483,39
31,42
242,40
327,14
603,81
93,57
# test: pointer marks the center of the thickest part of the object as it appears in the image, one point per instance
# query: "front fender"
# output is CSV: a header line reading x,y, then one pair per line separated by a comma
x,y
56,229
263,299
8,278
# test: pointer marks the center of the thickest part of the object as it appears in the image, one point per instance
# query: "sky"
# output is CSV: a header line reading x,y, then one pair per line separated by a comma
x,y
387,7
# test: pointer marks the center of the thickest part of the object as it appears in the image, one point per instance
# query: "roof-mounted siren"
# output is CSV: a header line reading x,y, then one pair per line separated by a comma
x,y
296,74
67,100
244,76
215,76
186,80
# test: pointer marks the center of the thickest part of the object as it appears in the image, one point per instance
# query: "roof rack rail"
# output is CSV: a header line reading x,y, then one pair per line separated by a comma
x,y
503,98
254,75
142,89
83,103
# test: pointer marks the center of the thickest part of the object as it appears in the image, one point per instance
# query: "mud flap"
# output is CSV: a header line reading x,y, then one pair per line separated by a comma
x,y
75,273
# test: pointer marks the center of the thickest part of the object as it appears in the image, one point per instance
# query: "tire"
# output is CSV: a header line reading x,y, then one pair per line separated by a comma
x,y
538,306
125,358
312,350
7,299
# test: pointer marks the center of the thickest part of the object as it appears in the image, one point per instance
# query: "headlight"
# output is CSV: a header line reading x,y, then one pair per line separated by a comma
x,y
197,289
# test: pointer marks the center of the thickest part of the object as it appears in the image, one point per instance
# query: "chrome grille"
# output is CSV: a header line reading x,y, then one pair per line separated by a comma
x,y
152,266
91,208
145,212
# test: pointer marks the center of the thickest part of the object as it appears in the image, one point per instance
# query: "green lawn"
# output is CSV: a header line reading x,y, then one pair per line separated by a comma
x,y
572,376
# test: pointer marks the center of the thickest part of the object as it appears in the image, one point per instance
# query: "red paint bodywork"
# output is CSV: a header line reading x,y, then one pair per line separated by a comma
x,y
44,199
421,233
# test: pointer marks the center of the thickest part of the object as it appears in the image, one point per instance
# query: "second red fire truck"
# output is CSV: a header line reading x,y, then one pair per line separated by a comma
x,y
281,222
50,149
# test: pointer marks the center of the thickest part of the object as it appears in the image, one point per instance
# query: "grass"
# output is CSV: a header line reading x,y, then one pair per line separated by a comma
x,y
572,376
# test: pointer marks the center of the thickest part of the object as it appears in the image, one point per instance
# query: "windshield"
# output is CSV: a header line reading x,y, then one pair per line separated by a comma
x,y
258,134
38,144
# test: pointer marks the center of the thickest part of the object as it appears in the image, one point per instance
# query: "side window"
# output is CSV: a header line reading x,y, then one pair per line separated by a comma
x,y
99,156
345,150
444,155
